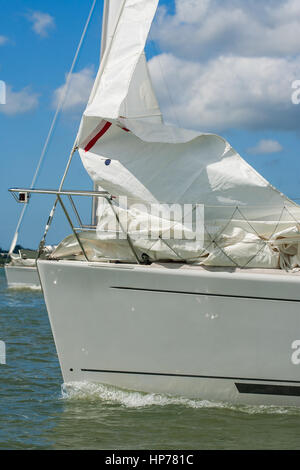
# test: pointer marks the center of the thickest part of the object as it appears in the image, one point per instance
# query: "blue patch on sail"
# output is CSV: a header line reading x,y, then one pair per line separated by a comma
x,y
107,162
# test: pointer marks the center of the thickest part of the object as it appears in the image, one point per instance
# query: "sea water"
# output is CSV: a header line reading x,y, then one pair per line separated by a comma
x,y
37,411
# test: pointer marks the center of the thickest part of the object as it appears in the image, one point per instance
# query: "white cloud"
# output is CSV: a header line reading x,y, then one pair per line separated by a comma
x,y
41,22
19,102
227,92
3,40
206,28
228,63
266,146
80,86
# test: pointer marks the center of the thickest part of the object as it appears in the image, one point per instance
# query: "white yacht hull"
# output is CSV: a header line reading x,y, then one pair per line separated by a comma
x,y
22,276
214,334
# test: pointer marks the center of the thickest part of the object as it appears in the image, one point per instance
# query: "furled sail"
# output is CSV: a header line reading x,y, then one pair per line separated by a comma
x,y
128,150
123,86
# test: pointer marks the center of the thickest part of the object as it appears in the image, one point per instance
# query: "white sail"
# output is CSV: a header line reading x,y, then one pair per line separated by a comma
x,y
123,86
110,14
128,151
140,101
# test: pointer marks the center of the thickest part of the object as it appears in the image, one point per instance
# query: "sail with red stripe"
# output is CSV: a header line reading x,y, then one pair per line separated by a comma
x,y
97,133
129,151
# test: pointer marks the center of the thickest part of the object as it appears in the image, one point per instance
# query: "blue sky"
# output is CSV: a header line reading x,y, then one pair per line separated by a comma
x,y
229,67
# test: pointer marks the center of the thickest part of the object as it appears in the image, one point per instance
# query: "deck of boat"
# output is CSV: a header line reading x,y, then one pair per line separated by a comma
x,y
226,269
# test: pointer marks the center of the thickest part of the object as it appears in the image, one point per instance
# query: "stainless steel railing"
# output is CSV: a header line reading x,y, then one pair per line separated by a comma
x,y
22,195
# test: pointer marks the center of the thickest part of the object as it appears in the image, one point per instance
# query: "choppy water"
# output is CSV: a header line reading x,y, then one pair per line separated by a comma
x,y
36,412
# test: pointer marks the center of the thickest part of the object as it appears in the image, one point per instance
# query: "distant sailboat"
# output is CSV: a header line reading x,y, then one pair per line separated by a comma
x,y
211,316
21,271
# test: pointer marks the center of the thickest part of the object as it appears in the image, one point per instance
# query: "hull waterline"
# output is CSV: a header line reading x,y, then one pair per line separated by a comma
x,y
212,334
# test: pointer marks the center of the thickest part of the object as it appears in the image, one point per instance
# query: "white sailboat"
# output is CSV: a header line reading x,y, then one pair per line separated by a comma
x,y
215,316
21,271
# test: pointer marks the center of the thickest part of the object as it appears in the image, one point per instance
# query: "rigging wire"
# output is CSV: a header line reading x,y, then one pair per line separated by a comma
x,y
54,120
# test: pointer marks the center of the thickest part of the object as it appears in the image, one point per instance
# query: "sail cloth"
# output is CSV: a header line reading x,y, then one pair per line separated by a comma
x,y
128,150
123,86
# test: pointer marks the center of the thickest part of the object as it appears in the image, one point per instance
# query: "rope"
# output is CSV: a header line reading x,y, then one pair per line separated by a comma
x,y
213,240
58,109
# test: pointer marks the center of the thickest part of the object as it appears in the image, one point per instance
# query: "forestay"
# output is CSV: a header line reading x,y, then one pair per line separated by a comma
x,y
128,150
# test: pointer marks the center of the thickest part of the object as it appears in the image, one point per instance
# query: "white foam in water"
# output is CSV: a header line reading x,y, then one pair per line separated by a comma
x,y
134,399
24,287
128,398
